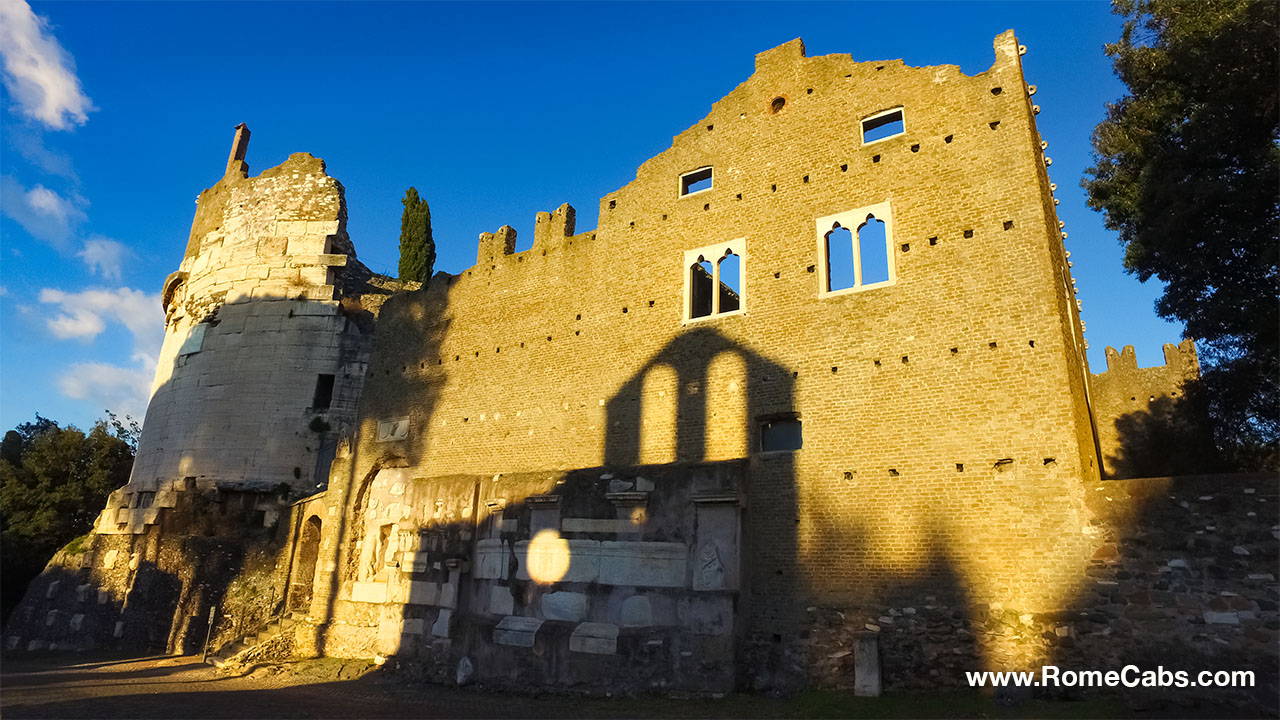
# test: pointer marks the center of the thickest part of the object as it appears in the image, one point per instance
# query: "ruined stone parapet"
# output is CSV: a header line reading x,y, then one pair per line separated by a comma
x,y
1136,406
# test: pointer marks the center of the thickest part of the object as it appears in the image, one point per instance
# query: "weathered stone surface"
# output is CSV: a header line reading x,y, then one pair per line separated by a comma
x,y
564,606
637,611
369,592
594,638
653,564
517,631
500,600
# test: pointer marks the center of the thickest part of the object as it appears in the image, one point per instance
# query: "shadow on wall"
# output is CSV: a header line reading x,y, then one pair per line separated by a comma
x,y
1183,580
398,376
181,545
1171,437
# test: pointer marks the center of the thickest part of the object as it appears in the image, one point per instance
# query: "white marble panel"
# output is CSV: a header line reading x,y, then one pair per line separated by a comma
x,y
583,565
370,592
652,564
517,631
491,560
564,606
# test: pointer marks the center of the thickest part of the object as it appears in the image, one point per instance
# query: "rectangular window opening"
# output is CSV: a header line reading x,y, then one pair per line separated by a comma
x,y
883,125
324,393
782,434
695,182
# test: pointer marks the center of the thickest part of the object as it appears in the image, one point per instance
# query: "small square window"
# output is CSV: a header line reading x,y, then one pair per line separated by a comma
x,y
882,126
781,435
695,181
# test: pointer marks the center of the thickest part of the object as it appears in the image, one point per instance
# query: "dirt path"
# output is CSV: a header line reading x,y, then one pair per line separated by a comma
x,y
72,686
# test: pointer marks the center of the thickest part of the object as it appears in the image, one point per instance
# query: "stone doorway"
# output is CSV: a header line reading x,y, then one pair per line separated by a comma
x,y
305,573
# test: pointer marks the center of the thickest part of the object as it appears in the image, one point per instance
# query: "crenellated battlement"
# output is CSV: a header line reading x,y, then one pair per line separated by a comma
x,y
493,245
551,228
1180,359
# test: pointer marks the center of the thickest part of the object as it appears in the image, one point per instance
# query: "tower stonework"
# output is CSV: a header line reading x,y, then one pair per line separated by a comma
x,y
266,341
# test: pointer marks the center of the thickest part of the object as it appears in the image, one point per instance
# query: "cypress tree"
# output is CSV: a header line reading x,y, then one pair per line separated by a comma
x,y
417,248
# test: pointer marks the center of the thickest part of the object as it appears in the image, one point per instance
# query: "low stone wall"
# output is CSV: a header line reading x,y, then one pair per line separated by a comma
x,y
153,591
1183,577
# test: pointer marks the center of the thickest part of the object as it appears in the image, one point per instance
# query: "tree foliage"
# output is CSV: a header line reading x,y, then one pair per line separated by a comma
x,y
1187,169
417,248
53,483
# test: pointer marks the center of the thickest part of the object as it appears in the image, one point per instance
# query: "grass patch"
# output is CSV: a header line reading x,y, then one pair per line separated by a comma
x,y
77,546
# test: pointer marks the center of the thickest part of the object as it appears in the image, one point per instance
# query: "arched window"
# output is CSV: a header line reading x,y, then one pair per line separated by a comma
x,y
715,287
857,260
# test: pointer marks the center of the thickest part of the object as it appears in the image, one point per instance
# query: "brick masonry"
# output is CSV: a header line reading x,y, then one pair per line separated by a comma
x,y
951,428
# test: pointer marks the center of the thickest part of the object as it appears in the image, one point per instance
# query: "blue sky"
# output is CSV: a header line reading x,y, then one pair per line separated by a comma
x,y
116,115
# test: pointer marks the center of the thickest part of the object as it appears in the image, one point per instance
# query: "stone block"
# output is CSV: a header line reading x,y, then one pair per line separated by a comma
x,y
12,642
103,596
369,592
77,622
575,560
449,595
706,615
414,626
440,628
82,592
422,592
1221,618
52,590
866,664
637,611
564,606
650,564
500,600
594,638
516,631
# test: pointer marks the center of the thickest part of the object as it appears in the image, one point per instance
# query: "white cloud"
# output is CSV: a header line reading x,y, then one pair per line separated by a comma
x,y
104,256
40,211
4,291
122,390
85,315
30,145
38,71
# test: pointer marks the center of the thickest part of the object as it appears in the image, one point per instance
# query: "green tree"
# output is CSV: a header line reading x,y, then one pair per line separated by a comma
x,y
417,248
52,493
1187,169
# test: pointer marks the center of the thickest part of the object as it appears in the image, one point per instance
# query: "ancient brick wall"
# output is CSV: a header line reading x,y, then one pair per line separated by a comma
x,y
1182,576
945,424
1152,421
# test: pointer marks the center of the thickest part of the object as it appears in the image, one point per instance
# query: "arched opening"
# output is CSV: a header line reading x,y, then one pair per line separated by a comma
x,y
701,287
873,251
730,276
304,576
840,263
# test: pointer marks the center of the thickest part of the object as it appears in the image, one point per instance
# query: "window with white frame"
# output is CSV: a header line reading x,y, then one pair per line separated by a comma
x,y
882,126
855,250
713,280
695,181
